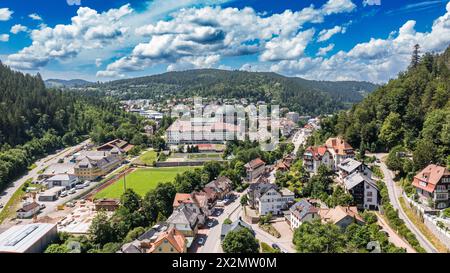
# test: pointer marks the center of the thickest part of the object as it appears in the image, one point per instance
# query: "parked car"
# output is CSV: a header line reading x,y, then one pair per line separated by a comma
x,y
63,194
275,246
79,186
72,191
1,205
201,241
86,184
70,204
42,206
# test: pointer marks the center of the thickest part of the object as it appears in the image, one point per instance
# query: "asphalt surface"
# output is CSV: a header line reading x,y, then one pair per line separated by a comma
x,y
394,194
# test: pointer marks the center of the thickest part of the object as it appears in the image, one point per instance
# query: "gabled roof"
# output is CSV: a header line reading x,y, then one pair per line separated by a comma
x,y
317,151
431,175
236,225
28,207
183,215
182,198
355,178
255,163
286,192
335,215
132,247
174,237
220,184
349,165
303,208
339,145
281,165
62,177
259,189
122,145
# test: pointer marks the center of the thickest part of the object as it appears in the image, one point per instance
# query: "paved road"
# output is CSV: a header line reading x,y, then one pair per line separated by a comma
x,y
41,164
212,243
299,139
394,193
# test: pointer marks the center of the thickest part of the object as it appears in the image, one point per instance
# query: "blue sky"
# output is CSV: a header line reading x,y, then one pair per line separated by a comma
x,y
325,39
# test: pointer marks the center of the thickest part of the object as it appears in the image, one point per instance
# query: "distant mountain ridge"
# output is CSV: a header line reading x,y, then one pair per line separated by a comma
x,y
305,96
58,83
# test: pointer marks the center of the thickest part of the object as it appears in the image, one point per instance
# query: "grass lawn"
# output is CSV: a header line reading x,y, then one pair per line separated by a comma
x,y
422,227
147,158
141,181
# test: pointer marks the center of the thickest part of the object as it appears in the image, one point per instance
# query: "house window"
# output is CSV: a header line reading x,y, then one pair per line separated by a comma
x,y
369,193
441,187
441,196
369,199
441,205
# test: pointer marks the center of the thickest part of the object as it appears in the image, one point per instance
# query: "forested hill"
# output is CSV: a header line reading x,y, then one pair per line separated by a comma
x,y
35,121
55,83
412,111
308,97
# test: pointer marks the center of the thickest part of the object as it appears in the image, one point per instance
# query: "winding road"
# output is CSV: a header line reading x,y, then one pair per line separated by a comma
x,y
394,194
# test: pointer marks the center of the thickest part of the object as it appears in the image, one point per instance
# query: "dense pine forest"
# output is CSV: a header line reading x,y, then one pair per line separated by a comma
x,y
304,96
35,121
410,114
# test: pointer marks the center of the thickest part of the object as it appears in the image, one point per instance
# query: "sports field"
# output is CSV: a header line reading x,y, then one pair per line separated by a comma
x,y
141,181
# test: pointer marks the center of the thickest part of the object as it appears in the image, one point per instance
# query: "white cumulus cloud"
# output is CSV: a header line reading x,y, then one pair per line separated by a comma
x,y
87,30
196,33
326,34
377,60
18,28
4,37
324,50
35,16
5,14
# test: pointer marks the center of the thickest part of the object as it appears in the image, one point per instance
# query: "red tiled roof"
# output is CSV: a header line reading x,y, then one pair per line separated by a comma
x,y
182,198
431,175
339,145
174,237
255,163
317,151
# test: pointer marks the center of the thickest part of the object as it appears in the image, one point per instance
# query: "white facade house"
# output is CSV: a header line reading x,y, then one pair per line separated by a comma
x,y
28,210
340,150
302,212
266,198
349,166
314,157
364,190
